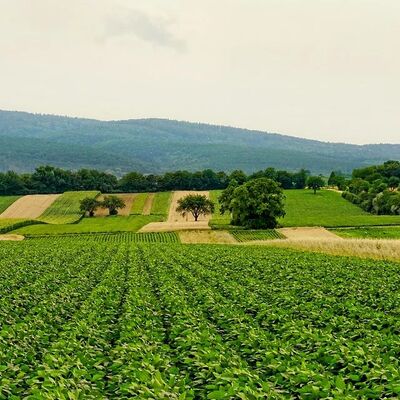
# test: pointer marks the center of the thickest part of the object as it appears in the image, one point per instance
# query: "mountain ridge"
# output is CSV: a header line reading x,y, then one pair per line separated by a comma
x,y
155,145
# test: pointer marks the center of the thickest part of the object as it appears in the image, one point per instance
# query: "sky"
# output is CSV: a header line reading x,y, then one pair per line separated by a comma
x,y
321,69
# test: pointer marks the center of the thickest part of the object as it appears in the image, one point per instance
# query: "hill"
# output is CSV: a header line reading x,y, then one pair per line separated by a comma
x,y
159,145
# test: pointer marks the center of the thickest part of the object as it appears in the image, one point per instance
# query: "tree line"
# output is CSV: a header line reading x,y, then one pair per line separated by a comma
x,y
376,188
49,179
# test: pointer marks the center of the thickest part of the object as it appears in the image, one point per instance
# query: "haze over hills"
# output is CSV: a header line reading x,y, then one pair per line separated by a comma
x,y
160,145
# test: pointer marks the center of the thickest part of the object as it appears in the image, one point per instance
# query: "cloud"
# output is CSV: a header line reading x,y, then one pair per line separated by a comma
x,y
142,26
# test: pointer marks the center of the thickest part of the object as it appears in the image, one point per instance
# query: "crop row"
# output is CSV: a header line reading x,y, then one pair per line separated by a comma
x,y
100,320
125,237
248,235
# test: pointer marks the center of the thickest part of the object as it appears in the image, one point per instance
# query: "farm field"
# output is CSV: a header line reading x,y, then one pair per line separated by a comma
x,y
29,206
65,209
249,235
389,232
138,203
128,198
117,223
89,319
327,208
6,201
161,203
128,237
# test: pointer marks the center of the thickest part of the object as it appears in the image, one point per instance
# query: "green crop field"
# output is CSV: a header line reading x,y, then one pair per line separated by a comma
x,y
65,210
101,320
249,235
138,203
130,237
117,223
327,208
161,203
6,201
389,232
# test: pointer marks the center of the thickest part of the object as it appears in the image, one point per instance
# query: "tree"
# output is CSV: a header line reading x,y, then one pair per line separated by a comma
x,y
89,205
255,204
113,203
394,182
315,183
196,204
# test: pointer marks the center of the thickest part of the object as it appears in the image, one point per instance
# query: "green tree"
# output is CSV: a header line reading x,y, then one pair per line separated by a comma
x,y
195,204
88,205
255,204
113,203
394,182
226,196
315,183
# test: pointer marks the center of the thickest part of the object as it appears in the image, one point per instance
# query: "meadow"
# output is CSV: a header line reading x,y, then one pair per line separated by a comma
x,y
327,208
96,320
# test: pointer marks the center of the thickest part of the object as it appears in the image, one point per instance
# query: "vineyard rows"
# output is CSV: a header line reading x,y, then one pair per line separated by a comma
x,y
150,237
82,319
245,235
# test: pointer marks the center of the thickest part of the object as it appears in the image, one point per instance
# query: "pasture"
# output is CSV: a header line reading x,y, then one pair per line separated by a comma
x,y
327,208
94,319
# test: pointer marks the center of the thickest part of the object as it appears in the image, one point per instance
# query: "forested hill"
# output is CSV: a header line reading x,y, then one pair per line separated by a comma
x,y
159,145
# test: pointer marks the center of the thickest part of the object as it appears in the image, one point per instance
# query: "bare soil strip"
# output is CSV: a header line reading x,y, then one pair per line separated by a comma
x,y
204,236
175,221
148,204
128,198
30,206
12,237
308,233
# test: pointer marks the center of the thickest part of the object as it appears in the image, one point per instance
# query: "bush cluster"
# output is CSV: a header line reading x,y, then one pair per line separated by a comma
x,y
376,189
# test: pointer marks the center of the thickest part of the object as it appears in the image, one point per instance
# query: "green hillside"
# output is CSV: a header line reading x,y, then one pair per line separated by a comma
x,y
157,145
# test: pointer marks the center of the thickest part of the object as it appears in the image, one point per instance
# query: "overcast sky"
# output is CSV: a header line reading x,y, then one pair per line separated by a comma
x,y
322,69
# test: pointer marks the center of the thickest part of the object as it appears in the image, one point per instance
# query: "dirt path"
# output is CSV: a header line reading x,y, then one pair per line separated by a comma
x,y
128,198
175,221
29,207
308,233
148,204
